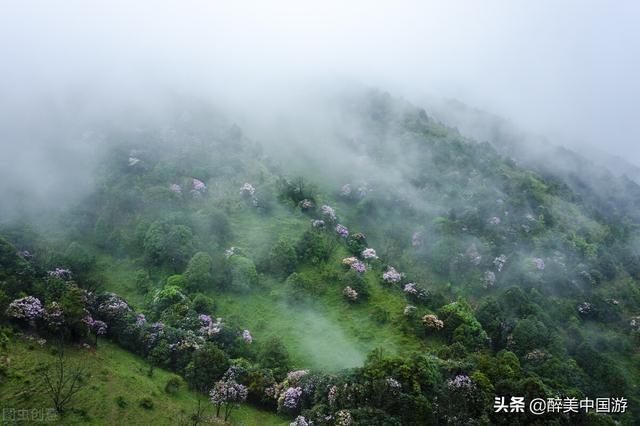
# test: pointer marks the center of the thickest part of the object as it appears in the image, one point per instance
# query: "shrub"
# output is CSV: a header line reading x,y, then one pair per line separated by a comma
x,y
355,280
142,281
315,246
173,385
198,272
121,402
282,258
146,403
243,273
202,304
169,244
206,367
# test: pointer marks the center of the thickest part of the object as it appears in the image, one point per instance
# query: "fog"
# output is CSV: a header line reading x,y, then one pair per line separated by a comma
x,y
567,71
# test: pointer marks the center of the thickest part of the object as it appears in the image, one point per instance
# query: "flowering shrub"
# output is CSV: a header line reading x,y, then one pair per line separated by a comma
x,y
299,421
499,262
343,418
393,384
345,191
409,310
350,294
432,322
416,239
539,263
246,336
474,255
391,275
494,220
332,395
227,394
585,308
293,377
489,279
342,230
318,224
306,204
133,161
141,320
211,328
28,308
329,213
62,273
369,254
54,315
461,383
354,264
416,292
359,266
114,306
199,185
291,397
247,190
175,188
231,251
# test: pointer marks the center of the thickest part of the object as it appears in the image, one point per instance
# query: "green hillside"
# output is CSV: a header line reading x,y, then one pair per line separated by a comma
x,y
245,266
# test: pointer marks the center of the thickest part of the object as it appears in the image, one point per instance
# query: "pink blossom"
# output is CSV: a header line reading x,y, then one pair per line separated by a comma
x,y
247,189
391,275
246,335
175,188
329,213
369,253
342,230
539,263
28,308
198,185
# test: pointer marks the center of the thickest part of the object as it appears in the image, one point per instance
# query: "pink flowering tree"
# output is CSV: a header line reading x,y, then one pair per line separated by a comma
x,y
227,394
27,309
391,276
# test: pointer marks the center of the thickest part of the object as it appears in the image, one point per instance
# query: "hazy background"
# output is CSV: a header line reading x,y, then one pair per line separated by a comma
x,y
568,70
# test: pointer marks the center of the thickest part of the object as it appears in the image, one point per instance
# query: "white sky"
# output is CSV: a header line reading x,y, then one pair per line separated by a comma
x,y
566,69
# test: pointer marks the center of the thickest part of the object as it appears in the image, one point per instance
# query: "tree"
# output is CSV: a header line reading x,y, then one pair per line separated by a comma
x,y
207,365
274,355
282,258
63,382
166,243
227,394
243,273
198,272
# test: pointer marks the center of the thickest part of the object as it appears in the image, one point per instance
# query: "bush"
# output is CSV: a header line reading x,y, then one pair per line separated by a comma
x,y
142,281
282,258
121,402
273,355
173,385
315,246
202,304
243,273
146,403
169,244
198,272
356,281
206,367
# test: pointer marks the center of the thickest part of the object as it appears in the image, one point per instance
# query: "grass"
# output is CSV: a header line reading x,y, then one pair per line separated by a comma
x,y
116,375
326,332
